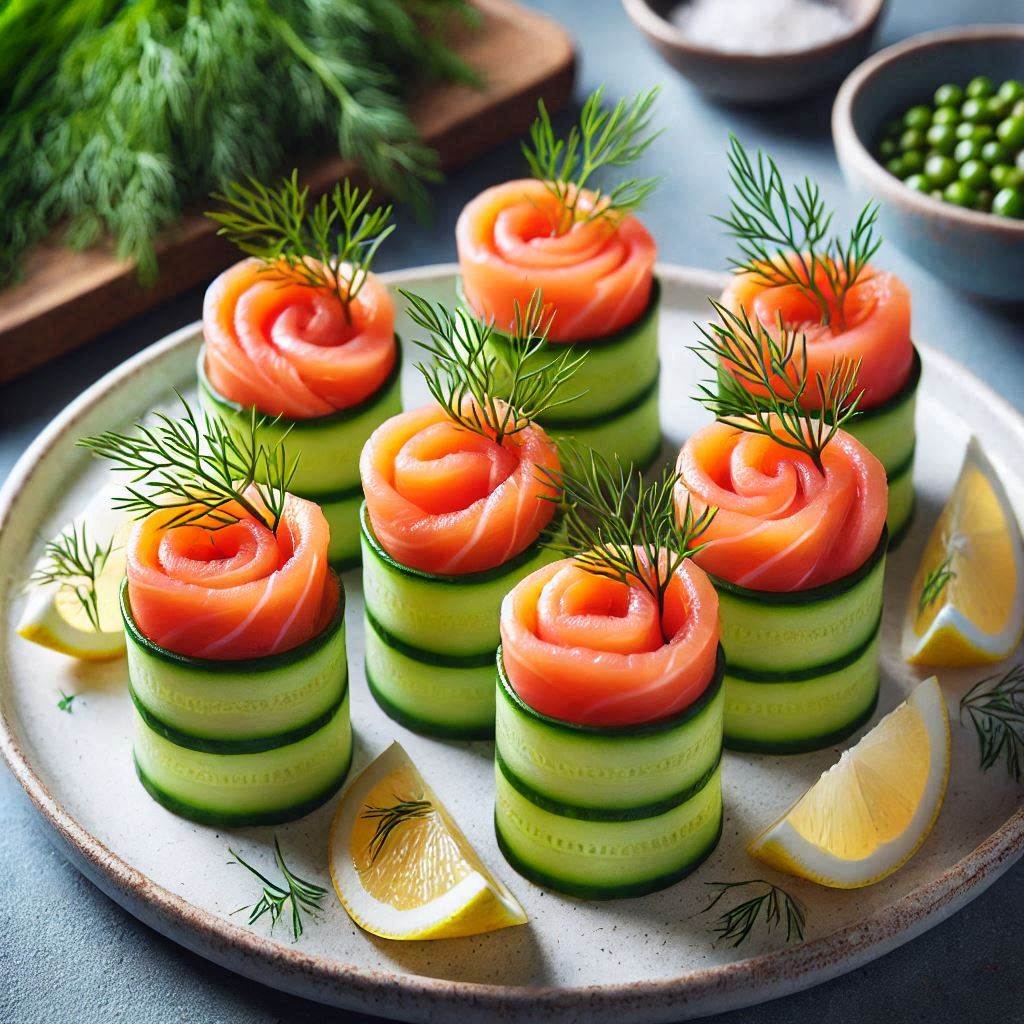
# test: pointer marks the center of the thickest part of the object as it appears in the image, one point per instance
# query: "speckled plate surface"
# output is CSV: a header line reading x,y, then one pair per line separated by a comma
x,y
649,959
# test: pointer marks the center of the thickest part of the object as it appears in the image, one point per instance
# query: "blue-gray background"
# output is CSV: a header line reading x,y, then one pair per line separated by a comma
x,y
69,954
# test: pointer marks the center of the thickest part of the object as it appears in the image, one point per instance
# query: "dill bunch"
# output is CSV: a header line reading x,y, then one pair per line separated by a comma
x,y
114,114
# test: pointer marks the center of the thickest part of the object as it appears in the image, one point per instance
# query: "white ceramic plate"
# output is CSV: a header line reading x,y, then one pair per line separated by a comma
x,y
646,959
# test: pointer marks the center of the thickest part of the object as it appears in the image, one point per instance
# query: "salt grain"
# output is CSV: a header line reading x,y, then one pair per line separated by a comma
x,y
760,26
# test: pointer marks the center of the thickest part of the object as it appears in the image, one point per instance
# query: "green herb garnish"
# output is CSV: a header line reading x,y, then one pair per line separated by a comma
x,y
66,700
745,356
771,904
114,116
392,817
198,468
995,706
784,239
330,245
304,897
935,583
75,563
603,138
622,528
466,377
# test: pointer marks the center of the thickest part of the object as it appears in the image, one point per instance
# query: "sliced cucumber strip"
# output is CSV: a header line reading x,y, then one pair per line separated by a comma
x,y
633,433
255,703
769,632
901,503
328,447
619,368
341,510
451,616
612,774
887,430
804,713
427,693
606,859
231,790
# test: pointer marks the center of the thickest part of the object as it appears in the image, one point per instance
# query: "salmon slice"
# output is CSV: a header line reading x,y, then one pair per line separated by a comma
x,y
449,501
781,525
236,592
595,651
288,349
872,326
596,276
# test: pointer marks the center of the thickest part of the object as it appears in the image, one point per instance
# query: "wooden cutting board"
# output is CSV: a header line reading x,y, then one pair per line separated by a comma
x,y
67,298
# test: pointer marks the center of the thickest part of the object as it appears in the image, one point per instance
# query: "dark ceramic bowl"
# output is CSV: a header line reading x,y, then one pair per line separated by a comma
x,y
978,252
756,79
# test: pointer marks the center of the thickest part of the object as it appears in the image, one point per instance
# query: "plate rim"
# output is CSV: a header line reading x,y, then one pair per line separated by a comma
x,y
710,989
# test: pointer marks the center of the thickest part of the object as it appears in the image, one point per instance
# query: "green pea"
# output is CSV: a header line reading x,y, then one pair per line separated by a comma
x,y
918,182
946,115
993,152
975,173
999,174
964,130
888,148
996,109
912,138
972,110
1017,110
913,161
941,138
949,95
1011,132
984,200
1015,179
980,87
959,193
1008,202
939,170
1020,160
966,149
895,166
1011,90
918,117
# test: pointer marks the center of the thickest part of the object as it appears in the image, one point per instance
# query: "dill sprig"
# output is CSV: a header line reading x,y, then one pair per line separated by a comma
x,y
303,896
330,245
467,377
761,382
603,139
199,468
75,562
935,583
66,700
620,527
784,238
995,706
771,904
392,817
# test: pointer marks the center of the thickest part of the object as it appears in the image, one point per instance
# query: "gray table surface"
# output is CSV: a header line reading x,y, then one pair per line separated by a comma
x,y
68,953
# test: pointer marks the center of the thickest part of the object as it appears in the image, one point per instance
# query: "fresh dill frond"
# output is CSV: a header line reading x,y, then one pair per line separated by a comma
x,y
330,245
935,583
621,527
771,904
995,706
602,139
66,700
392,817
75,562
496,396
761,381
302,896
199,468
784,238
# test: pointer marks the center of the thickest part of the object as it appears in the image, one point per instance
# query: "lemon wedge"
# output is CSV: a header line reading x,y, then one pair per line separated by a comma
x,y
54,614
966,604
870,812
402,868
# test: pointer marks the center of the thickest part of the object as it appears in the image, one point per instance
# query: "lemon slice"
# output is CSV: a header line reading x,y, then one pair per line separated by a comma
x,y
402,868
966,603
54,616
869,813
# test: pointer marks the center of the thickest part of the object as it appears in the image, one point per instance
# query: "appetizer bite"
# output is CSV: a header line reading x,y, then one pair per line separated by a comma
x,y
797,547
593,262
791,276
458,510
234,624
609,717
303,333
